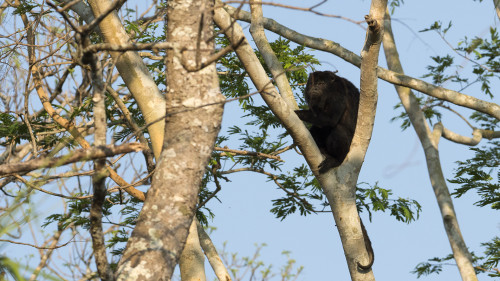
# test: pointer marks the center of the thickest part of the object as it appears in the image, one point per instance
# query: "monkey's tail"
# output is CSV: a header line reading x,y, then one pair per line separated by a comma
x,y
369,265
369,249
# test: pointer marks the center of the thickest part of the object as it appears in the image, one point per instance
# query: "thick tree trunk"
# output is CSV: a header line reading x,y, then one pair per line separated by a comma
x,y
190,131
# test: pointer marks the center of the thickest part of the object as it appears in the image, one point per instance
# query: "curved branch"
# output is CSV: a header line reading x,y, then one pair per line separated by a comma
x,y
52,247
477,136
457,138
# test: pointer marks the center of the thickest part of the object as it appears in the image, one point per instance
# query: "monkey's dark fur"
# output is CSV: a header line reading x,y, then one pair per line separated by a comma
x,y
333,112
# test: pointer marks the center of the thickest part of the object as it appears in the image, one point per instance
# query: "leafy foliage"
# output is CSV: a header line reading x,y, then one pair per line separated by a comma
x,y
24,7
485,59
9,267
478,174
437,72
393,4
428,106
487,264
491,258
404,210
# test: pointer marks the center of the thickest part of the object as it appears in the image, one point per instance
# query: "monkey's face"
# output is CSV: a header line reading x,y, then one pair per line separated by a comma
x,y
320,87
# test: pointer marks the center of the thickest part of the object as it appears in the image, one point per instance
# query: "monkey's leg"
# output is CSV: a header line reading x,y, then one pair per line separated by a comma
x,y
321,136
336,146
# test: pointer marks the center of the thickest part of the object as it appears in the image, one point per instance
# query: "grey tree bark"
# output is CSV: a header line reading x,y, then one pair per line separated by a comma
x,y
213,257
135,75
190,131
99,178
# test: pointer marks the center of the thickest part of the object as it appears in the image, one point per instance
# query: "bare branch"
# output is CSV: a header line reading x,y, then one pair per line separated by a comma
x,y
35,246
210,59
272,62
114,6
99,177
250,153
46,256
35,186
76,156
454,137
129,47
310,9
211,252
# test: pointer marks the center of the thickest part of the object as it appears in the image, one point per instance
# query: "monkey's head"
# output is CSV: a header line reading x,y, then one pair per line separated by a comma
x,y
319,82
322,88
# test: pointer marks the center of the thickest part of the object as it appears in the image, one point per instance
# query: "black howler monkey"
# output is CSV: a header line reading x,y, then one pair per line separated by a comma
x,y
333,112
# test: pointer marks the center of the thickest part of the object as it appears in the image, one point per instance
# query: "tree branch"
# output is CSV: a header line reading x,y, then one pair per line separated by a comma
x,y
250,153
99,177
148,154
212,255
387,75
75,156
454,137
272,62
430,141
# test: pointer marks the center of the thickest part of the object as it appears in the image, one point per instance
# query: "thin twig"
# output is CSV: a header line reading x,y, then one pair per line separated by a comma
x,y
30,185
35,246
250,153
210,59
310,9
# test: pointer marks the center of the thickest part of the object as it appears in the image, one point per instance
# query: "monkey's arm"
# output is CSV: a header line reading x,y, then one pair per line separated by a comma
x,y
320,120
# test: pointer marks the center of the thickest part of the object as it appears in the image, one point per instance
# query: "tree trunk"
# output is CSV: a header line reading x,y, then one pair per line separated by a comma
x,y
190,131
430,141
